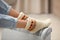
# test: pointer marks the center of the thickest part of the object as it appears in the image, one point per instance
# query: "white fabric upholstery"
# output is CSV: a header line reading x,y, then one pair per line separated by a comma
x,y
21,34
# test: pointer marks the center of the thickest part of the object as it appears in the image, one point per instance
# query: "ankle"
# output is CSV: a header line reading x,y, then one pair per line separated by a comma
x,y
13,13
21,23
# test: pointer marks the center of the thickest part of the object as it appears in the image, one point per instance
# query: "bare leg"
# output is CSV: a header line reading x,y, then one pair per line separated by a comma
x,y
13,13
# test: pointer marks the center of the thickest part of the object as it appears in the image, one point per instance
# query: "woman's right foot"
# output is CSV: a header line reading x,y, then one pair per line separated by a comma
x,y
23,23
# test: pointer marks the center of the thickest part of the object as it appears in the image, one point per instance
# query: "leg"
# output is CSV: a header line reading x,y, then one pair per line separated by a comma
x,y
39,24
10,22
4,7
7,9
13,13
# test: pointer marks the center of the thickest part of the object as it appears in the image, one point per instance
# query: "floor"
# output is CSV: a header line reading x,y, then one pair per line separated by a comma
x,y
55,25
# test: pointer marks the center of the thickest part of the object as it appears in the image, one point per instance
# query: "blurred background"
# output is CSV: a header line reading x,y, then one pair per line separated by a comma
x,y
41,9
30,6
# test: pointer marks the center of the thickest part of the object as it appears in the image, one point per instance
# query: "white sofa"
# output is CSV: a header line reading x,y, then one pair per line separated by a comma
x,y
14,34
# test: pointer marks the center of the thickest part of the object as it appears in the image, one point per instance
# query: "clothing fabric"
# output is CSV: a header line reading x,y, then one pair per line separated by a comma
x,y
4,7
6,21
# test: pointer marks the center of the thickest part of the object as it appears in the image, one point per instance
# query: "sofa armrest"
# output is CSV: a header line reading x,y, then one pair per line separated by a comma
x,y
45,33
